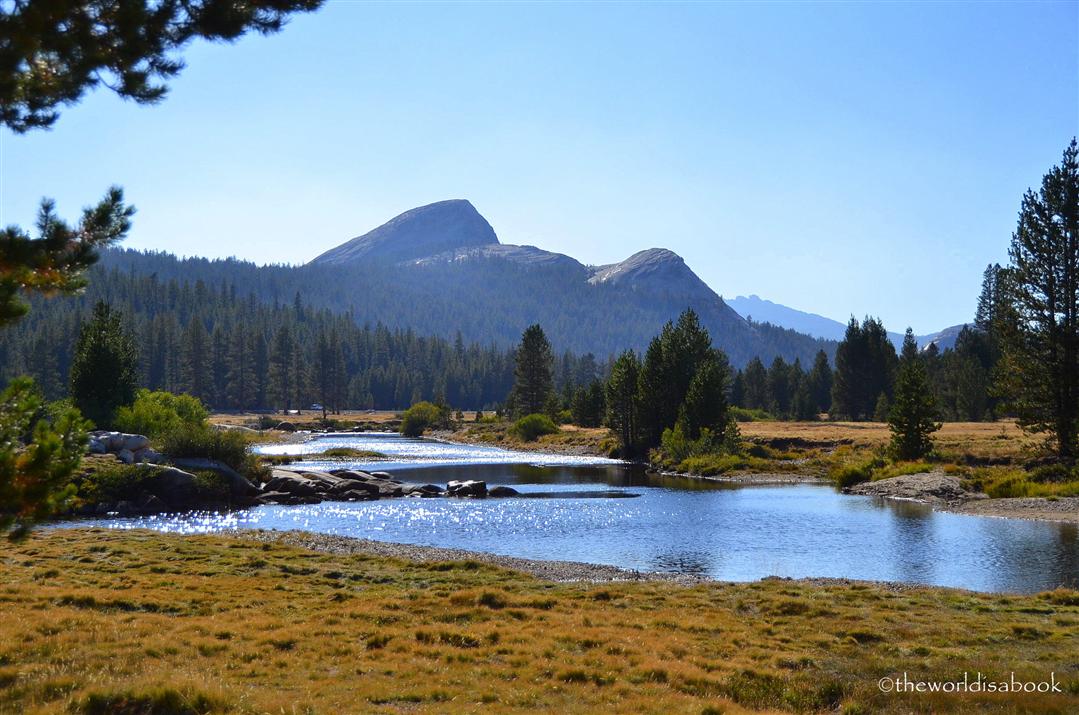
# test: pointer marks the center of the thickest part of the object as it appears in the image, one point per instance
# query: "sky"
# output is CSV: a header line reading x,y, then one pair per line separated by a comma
x,y
839,158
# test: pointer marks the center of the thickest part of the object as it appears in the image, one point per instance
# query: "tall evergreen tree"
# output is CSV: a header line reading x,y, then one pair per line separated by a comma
x,y
104,371
912,414
819,383
281,381
196,375
670,363
533,384
705,405
865,365
623,409
1041,340
755,377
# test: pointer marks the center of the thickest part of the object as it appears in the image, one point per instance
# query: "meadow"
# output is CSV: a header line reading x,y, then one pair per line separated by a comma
x,y
97,621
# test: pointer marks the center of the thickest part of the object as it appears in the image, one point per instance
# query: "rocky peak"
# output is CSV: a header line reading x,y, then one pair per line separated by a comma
x,y
418,233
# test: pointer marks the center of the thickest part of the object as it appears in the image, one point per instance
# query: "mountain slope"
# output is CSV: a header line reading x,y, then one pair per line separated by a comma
x,y
423,231
821,327
433,251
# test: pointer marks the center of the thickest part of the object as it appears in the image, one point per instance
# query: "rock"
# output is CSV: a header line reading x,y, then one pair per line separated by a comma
x,y
349,485
150,456
356,495
173,486
928,487
290,482
468,488
382,475
97,446
115,441
421,490
151,504
135,442
126,456
238,484
503,492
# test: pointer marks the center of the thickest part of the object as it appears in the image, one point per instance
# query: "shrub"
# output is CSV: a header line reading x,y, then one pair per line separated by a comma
x,y
421,417
113,483
202,441
157,701
156,413
744,414
530,427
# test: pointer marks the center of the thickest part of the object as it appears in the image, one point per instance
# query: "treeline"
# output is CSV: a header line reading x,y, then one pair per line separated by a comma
x,y
234,352
487,300
861,386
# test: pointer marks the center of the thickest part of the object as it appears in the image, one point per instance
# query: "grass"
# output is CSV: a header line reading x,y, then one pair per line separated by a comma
x,y
139,622
588,440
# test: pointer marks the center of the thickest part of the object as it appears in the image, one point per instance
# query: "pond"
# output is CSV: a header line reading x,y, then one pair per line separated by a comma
x,y
669,524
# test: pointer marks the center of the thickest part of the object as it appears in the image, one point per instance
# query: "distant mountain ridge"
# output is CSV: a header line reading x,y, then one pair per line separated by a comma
x,y
448,241
820,327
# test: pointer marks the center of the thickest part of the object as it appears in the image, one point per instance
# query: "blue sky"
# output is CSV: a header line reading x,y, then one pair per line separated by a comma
x,y
838,158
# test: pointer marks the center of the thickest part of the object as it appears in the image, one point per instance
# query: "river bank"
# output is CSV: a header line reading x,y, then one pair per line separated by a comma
x,y
231,623
946,492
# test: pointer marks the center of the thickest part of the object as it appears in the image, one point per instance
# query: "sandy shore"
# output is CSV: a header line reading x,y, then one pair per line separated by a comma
x,y
945,492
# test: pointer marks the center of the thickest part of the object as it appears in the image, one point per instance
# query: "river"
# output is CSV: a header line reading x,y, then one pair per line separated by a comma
x,y
727,532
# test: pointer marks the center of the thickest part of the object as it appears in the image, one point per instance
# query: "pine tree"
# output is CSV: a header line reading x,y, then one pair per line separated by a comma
x,y
705,405
779,388
533,384
104,372
819,383
1041,337
912,415
864,369
196,376
281,381
622,401
755,378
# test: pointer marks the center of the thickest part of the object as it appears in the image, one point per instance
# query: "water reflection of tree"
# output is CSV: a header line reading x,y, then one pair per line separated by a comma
x,y
913,551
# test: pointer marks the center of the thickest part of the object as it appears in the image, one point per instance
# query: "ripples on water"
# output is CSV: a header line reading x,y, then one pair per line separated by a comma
x,y
677,525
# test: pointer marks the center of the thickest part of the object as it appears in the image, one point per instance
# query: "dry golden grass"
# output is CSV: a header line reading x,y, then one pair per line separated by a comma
x,y
569,438
983,439
91,620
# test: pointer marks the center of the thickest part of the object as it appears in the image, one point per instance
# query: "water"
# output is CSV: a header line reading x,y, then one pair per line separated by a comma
x,y
675,525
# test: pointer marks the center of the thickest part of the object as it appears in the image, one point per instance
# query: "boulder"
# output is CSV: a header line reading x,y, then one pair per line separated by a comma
x,y
353,485
97,446
421,490
282,480
115,441
135,442
503,492
467,488
239,486
356,495
173,486
126,456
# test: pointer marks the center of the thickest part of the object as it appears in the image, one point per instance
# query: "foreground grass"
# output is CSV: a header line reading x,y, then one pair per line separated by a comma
x,y
102,621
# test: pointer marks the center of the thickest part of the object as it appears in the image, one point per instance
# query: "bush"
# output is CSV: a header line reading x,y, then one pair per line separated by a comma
x,y
421,417
202,441
113,483
530,427
744,414
156,413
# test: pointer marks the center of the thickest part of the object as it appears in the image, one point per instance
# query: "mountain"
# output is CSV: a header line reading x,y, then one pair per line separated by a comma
x,y
820,327
447,258
808,323
424,231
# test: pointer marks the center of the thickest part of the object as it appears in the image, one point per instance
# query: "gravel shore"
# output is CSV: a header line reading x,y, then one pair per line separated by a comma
x,y
945,492
561,571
